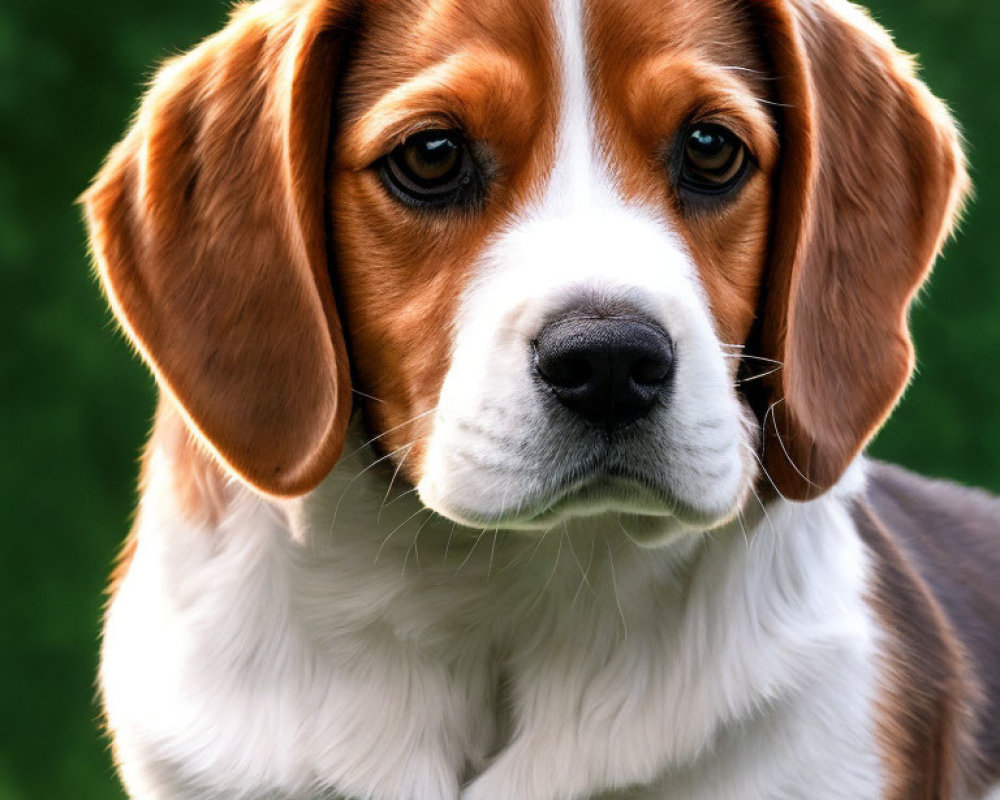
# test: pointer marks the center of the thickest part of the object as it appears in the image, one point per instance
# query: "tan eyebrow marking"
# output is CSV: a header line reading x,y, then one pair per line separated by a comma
x,y
470,89
656,82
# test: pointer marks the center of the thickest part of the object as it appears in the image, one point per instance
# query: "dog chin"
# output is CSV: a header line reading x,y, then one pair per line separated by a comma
x,y
648,514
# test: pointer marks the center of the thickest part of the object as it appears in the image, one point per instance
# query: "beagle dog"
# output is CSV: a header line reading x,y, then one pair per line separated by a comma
x,y
515,359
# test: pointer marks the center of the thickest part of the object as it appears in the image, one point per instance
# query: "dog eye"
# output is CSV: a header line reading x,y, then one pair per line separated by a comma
x,y
714,160
431,168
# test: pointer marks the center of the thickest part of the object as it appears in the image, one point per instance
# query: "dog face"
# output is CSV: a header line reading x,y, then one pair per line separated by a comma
x,y
569,236
598,255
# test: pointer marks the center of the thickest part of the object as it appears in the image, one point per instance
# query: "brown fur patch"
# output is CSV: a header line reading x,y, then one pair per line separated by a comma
x,y
871,177
658,68
937,553
208,231
488,69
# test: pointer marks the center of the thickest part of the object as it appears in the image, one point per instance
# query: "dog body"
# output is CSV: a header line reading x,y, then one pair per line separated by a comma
x,y
680,583
569,667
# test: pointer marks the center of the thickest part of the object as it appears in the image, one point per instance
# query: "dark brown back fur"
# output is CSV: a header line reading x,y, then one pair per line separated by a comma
x,y
937,551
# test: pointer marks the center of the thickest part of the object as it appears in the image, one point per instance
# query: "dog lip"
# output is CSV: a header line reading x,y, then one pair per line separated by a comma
x,y
598,487
617,487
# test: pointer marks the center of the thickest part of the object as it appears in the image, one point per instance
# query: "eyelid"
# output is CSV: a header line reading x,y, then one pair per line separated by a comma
x,y
464,188
362,156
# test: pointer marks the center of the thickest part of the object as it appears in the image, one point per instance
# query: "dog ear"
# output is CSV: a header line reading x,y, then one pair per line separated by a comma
x,y
208,228
871,178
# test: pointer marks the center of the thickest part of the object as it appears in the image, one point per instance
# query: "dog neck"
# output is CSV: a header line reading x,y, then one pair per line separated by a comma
x,y
353,623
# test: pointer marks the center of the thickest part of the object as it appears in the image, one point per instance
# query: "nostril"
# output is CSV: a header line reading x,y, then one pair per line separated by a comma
x,y
562,368
650,371
569,373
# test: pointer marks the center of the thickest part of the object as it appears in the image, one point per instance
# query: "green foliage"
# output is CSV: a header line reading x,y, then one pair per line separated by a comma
x,y
75,406
948,423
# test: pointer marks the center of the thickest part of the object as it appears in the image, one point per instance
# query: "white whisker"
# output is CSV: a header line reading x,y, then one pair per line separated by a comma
x,y
416,536
760,74
614,586
400,496
493,552
741,381
777,434
393,531
374,439
585,573
352,481
471,550
538,546
764,470
548,580
743,527
744,356
367,396
628,535
388,491
447,545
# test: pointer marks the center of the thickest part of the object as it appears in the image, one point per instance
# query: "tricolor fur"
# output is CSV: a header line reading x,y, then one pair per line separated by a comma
x,y
375,558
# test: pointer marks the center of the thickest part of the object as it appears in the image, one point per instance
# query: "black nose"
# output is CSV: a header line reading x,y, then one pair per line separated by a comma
x,y
610,371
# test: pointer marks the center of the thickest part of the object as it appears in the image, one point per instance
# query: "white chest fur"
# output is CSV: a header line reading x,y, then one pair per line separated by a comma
x,y
293,648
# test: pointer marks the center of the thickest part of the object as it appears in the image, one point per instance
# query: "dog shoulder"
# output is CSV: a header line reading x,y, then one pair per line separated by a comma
x,y
936,549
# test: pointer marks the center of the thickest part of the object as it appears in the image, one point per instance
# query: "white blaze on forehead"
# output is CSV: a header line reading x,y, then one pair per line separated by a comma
x,y
578,176
594,237
501,453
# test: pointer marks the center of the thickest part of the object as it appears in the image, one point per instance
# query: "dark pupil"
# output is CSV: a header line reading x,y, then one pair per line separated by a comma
x,y
432,158
438,150
706,143
713,155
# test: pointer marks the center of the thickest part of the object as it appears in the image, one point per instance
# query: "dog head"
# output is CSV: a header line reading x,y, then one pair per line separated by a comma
x,y
578,256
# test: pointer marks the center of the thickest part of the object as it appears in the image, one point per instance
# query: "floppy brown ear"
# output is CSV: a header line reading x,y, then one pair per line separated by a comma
x,y
208,227
871,177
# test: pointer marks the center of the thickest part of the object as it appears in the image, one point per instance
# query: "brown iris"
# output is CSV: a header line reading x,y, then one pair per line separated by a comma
x,y
432,157
714,159
430,168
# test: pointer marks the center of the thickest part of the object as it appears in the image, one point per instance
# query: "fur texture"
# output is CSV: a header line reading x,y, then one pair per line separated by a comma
x,y
468,592
329,645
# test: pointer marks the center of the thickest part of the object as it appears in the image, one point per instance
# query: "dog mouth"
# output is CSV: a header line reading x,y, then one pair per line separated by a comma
x,y
676,474
594,490
613,490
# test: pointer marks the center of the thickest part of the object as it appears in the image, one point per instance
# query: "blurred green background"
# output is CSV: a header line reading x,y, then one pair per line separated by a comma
x,y
75,404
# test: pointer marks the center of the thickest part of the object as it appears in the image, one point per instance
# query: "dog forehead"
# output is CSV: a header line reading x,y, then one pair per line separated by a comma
x,y
413,35
632,27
